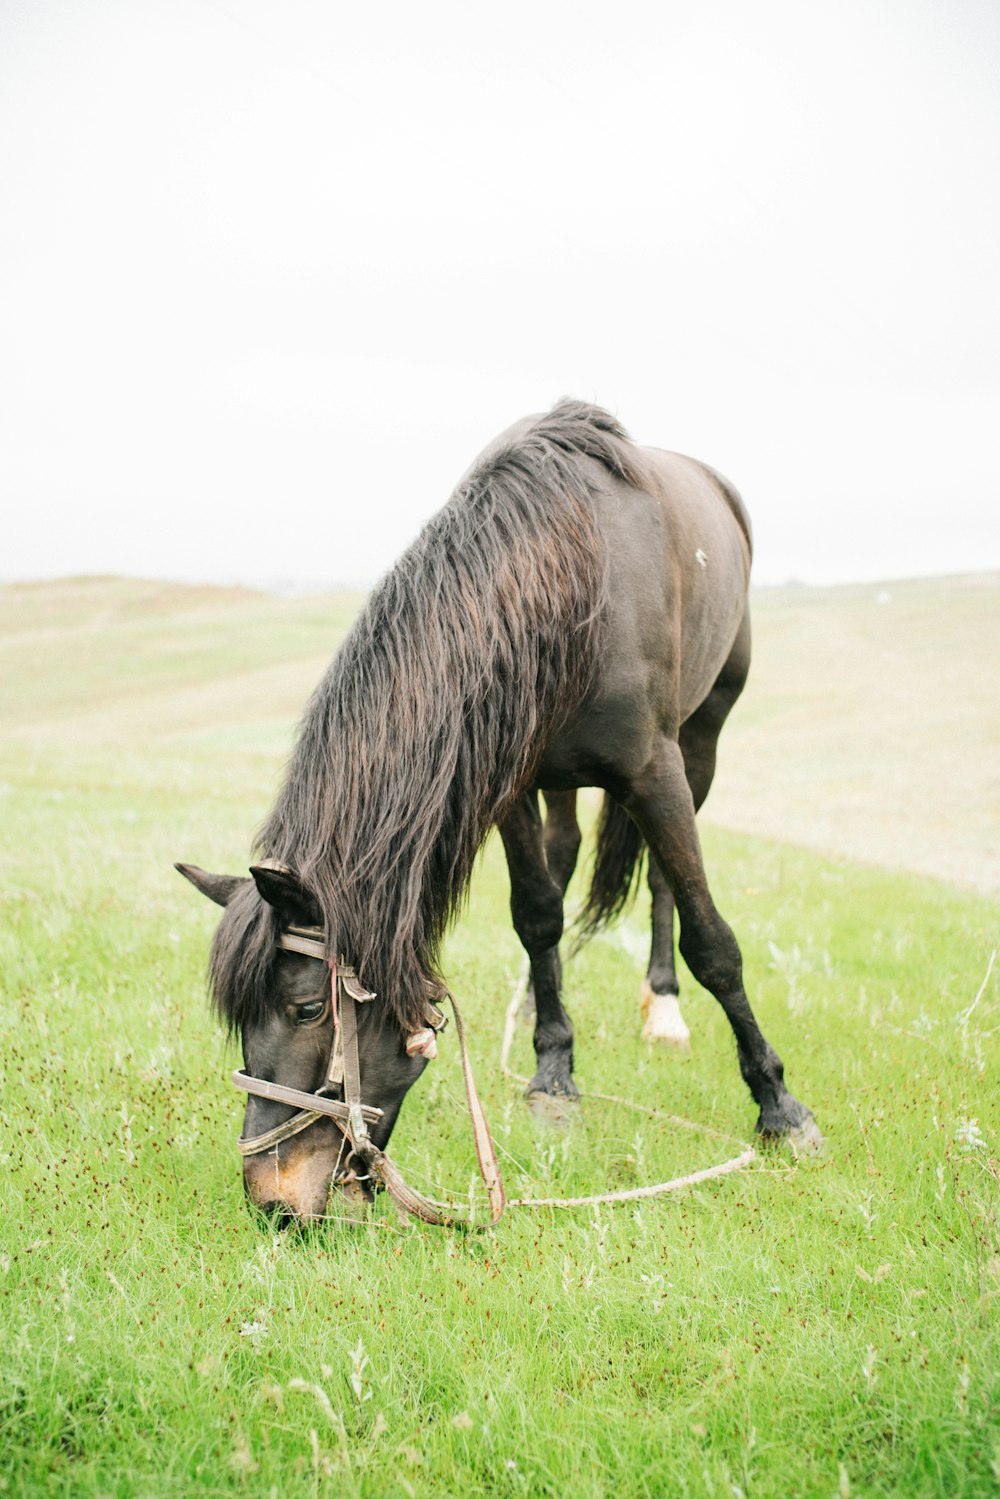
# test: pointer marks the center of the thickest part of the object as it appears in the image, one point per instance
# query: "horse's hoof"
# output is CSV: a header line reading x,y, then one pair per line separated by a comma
x,y
664,1021
803,1138
553,1108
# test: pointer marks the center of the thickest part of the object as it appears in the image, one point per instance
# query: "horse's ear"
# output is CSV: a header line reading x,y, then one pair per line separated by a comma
x,y
218,887
282,889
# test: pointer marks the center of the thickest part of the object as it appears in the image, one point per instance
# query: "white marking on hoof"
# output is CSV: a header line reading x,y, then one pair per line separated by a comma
x,y
664,1021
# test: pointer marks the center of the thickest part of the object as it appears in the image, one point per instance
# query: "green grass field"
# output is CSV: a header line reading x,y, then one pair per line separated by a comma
x,y
825,1331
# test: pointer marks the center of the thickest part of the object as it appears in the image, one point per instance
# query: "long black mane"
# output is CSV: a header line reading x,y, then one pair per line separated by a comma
x,y
430,720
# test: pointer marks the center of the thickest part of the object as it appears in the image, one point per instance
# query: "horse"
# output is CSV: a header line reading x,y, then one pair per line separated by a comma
x,y
576,615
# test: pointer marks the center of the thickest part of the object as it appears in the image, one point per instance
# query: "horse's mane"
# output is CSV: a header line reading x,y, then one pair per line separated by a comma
x,y
430,720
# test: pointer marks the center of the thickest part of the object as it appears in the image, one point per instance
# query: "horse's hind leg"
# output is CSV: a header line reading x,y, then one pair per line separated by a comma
x,y
536,906
661,1010
699,738
662,804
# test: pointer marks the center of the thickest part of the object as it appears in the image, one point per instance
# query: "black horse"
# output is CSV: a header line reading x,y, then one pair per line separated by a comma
x,y
576,615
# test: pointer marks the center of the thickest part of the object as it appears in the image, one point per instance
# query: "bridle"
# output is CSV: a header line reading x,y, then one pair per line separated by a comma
x,y
343,1073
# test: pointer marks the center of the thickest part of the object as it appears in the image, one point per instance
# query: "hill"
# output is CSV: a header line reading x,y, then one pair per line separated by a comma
x,y
870,727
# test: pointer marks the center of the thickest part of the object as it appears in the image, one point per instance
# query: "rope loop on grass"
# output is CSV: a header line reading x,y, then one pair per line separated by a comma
x,y
632,1194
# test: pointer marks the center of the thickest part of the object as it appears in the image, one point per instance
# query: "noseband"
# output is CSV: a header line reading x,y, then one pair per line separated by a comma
x,y
343,1072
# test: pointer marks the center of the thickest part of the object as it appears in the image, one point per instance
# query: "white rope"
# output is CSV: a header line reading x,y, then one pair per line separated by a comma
x,y
633,1194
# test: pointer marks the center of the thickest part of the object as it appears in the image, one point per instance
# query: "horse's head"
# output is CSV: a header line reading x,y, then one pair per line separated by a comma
x,y
273,984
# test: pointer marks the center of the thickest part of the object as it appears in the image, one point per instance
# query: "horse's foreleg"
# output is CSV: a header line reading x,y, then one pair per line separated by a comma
x,y
562,836
536,906
660,800
561,840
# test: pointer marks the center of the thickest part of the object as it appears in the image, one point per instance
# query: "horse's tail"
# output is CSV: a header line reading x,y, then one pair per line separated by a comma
x,y
617,868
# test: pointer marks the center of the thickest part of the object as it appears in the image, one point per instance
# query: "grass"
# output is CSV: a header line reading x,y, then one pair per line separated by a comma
x,y
826,1331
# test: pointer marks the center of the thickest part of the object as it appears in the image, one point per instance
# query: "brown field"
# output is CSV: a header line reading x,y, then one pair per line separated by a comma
x,y
870,726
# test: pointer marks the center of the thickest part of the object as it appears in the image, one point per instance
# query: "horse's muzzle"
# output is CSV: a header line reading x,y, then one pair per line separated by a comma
x,y
293,1180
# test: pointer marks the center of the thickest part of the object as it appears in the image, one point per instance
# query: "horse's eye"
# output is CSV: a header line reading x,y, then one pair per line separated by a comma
x,y
312,1011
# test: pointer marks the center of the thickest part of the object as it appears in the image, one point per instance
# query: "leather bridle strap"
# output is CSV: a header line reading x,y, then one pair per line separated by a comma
x,y
311,1106
352,1116
348,1028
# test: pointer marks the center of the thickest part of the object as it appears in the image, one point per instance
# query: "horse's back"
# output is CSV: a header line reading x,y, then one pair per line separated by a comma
x,y
701,510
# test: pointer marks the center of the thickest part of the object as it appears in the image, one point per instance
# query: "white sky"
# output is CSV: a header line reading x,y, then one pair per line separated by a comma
x,y
272,273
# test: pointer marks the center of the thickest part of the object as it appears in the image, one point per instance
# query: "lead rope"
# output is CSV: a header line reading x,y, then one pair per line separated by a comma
x,y
379,1164
631,1194
430,1210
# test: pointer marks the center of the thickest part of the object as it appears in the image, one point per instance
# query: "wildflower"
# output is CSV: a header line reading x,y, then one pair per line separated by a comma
x,y
969,1135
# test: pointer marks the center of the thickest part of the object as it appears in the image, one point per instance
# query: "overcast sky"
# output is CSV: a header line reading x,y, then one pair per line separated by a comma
x,y
272,273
